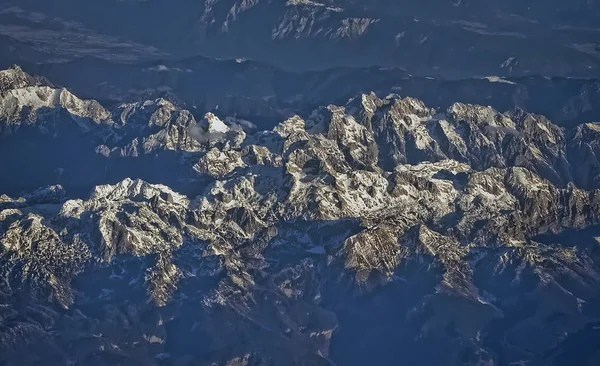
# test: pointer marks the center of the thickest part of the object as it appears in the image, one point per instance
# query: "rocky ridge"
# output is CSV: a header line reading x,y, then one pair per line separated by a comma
x,y
380,211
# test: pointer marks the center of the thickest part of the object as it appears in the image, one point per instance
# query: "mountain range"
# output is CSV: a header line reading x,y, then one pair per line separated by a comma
x,y
338,237
451,38
333,182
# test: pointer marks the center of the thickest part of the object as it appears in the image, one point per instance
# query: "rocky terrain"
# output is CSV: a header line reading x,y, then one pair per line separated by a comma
x,y
379,230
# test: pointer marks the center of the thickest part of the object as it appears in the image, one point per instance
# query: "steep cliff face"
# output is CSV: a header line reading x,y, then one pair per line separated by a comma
x,y
380,225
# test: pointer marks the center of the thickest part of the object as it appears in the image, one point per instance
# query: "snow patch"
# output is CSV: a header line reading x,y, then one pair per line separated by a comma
x,y
215,124
496,79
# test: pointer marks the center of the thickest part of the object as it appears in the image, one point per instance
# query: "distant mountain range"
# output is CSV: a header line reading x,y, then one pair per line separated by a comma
x,y
450,38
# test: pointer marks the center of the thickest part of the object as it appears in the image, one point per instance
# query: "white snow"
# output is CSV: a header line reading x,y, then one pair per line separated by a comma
x,y
215,124
543,127
496,79
508,62
36,96
161,68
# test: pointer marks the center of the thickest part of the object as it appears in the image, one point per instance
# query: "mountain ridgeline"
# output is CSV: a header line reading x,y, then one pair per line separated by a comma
x,y
375,230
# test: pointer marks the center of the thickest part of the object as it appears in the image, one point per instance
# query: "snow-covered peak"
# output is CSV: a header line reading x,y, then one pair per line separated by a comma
x,y
15,78
214,124
130,189
25,99
474,113
289,126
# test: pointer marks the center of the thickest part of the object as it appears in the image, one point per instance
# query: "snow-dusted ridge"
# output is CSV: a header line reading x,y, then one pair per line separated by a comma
x,y
295,225
25,99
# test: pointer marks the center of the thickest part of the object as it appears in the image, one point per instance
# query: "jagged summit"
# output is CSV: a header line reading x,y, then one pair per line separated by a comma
x,y
25,99
214,124
15,78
